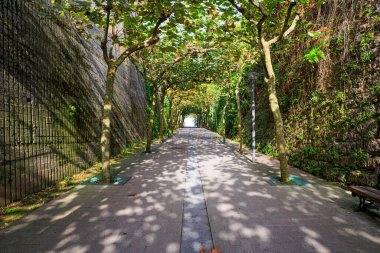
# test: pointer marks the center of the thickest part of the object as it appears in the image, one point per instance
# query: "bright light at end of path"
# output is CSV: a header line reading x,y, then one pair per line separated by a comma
x,y
189,122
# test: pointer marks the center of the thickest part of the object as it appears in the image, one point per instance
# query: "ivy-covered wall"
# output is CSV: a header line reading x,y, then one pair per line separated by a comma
x,y
328,85
330,103
51,89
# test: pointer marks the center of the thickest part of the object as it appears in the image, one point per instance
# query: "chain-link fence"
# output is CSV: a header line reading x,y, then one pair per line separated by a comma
x,y
47,124
51,89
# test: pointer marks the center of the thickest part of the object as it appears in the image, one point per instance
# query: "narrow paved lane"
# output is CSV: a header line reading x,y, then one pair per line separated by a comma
x,y
247,214
194,191
196,231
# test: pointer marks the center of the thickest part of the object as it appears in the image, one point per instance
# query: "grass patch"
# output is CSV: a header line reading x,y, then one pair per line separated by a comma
x,y
19,209
293,180
125,152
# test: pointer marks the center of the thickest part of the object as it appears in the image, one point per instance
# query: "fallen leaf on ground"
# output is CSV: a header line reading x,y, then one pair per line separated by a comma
x,y
213,250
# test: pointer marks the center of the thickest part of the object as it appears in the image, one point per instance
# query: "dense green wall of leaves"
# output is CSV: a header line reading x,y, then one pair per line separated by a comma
x,y
330,107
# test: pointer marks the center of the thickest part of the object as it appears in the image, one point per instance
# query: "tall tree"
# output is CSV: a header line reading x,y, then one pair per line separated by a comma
x,y
271,18
238,106
167,69
232,61
127,27
171,97
156,64
224,113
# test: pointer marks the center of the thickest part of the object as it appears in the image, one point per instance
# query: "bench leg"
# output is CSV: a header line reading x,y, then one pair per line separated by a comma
x,y
370,204
361,204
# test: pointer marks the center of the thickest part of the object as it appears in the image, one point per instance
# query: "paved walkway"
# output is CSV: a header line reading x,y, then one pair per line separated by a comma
x,y
245,213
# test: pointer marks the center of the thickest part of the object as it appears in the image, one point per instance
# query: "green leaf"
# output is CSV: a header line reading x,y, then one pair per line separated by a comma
x,y
41,14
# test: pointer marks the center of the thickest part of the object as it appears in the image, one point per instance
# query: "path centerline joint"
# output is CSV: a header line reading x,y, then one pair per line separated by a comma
x,y
196,232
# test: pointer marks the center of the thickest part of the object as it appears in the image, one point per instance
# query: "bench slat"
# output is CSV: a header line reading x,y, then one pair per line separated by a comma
x,y
363,191
372,189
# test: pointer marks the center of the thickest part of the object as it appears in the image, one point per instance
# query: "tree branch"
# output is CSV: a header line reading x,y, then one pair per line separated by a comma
x,y
260,27
243,11
147,43
287,32
262,20
284,31
259,6
103,44
195,80
288,14
162,73
292,26
179,59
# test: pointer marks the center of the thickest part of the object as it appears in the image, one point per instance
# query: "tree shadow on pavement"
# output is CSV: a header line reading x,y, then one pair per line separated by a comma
x,y
247,214
144,215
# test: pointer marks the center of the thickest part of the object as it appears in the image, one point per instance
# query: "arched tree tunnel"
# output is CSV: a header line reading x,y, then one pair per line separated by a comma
x,y
160,106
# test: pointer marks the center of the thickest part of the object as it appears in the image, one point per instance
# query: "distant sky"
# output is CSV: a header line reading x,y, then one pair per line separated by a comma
x,y
189,122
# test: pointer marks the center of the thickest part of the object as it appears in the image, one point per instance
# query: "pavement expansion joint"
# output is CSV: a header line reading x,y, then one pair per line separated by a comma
x,y
196,232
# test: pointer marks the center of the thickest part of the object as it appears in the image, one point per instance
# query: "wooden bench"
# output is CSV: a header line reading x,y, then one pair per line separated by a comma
x,y
365,193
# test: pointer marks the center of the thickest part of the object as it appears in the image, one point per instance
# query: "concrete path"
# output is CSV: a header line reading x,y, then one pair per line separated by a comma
x,y
196,232
244,212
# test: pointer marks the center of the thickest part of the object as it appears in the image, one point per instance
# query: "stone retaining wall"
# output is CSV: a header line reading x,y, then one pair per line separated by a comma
x,y
51,89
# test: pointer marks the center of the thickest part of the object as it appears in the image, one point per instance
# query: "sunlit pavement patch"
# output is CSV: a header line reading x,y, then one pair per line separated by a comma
x,y
294,181
98,180
195,228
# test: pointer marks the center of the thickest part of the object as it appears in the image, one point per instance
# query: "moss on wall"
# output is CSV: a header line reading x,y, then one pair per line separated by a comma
x,y
52,84
331,107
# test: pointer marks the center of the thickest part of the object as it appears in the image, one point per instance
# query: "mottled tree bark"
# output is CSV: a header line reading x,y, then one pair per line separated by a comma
x,y
270,75
275,108
170,117
113,63
161,114
238,107
252,78
224,116
149,136
106,124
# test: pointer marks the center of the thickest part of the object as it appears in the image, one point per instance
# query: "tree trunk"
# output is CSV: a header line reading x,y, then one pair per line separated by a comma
x,y
273,101
206,119
173,119
252,80
161,114
106,124
238,107
177,121
149,136
224,117
170,120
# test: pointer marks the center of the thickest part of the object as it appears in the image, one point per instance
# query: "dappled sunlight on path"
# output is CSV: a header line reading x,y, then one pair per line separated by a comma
x,y
245,212
105,218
